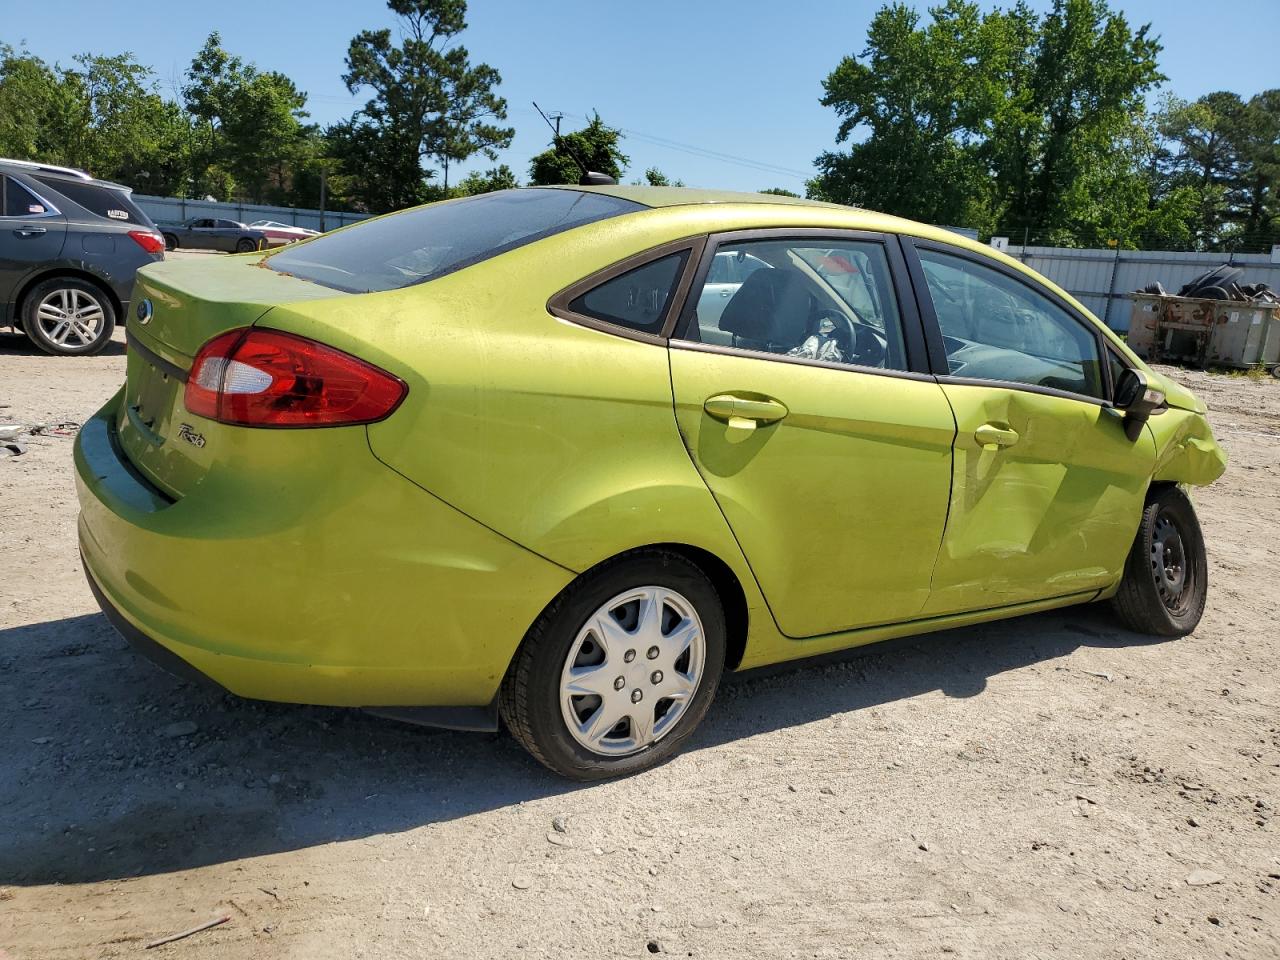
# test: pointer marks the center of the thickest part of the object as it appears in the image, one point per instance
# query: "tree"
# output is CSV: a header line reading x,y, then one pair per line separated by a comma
x,y
997,118
654,177
428,103
250,134
594,147
498,178
780,192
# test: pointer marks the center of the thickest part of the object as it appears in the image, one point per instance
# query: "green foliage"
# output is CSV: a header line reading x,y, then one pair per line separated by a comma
x,y
500,177
428,103
250,135
997,118
780,192
594,147
103,115
654,177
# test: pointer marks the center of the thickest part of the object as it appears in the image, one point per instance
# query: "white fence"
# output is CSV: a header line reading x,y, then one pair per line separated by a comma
x,y
1102,279
174,210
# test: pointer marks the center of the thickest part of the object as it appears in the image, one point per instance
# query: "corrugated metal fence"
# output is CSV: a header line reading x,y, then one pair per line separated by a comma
x,y
1101,279
174,210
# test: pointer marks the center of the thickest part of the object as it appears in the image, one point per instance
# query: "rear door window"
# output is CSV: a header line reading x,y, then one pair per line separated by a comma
x,y
99,200
428,242
17,201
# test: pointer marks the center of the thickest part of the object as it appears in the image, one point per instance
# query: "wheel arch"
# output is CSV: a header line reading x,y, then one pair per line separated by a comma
x,y
728,587
20,299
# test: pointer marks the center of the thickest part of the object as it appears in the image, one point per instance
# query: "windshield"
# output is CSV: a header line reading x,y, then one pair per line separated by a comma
x,y
428,242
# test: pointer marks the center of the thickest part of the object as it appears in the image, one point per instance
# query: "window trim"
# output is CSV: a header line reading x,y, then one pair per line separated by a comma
x,y
912,328
933,331
558,305
50,209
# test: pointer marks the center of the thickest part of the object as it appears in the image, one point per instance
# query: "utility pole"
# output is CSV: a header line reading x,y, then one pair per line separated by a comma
x,y
324,177
557,117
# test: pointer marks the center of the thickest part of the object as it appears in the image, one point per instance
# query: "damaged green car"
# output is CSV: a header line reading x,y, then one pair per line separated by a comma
x,y
564,456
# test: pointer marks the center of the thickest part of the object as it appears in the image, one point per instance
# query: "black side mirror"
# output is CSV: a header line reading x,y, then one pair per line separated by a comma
x,y
1138,399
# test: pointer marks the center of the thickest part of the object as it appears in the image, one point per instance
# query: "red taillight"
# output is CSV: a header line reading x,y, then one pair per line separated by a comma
x,y
148,241
264,378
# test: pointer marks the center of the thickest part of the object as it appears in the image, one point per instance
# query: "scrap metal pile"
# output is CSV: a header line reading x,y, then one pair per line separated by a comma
x,y
1220,283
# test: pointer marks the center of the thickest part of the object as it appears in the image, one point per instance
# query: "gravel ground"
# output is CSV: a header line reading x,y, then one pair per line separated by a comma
x,y
1049,786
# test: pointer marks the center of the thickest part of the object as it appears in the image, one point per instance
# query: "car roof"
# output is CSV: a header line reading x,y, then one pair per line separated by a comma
x,y
681,196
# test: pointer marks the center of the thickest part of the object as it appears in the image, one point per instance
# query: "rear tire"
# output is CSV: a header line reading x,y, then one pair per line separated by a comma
x,y
656,676
1165,583
68,316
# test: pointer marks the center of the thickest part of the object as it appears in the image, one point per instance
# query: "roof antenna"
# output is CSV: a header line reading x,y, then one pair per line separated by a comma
x,y
589,177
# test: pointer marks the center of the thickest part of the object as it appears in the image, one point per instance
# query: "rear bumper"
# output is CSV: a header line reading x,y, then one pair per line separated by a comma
x,y
341,584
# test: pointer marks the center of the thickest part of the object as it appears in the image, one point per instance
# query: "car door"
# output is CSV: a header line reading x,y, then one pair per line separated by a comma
x,y
229,233
825,443
204,234
32,232
1047,488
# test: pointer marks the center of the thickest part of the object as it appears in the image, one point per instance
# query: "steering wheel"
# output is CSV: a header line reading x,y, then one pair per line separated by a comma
x,y
858,341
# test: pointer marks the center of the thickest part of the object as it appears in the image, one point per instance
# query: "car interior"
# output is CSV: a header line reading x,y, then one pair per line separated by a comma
x,y
821,303
994,328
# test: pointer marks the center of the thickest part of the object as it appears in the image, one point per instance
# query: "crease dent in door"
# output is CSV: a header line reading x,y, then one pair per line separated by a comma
x,y
1051,513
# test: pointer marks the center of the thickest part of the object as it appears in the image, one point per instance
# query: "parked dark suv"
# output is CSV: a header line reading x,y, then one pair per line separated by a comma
x,y
69,247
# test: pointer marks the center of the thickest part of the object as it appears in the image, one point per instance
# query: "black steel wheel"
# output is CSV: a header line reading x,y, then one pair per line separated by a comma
x,y
1165,583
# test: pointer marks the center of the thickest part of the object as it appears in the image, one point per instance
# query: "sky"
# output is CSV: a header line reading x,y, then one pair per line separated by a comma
x,y
717,93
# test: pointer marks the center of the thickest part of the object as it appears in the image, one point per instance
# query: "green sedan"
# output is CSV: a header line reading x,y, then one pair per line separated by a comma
x,y
563,456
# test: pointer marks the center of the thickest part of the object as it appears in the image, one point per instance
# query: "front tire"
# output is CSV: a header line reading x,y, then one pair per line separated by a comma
x,y
619,670
170,242
1165,583
68,316
246,246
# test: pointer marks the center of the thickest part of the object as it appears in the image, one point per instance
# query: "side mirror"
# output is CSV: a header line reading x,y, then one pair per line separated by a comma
x,y
1138,399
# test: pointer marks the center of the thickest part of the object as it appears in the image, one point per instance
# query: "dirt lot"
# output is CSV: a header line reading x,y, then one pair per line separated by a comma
x,y
1051,786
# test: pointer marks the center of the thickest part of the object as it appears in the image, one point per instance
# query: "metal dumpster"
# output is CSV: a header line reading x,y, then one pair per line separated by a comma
x,y
1222,333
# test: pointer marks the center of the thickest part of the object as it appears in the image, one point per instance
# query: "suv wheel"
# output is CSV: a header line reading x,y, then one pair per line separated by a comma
x,y
65,315
620,669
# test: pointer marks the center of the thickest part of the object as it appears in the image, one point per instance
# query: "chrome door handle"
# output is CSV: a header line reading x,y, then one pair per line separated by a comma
x,y
725,293
990,436
30,231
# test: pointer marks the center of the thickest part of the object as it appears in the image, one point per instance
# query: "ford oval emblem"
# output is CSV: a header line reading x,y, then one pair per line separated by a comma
x,y
144,311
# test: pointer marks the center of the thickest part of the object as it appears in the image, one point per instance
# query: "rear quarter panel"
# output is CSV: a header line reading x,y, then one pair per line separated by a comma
x,y
559,437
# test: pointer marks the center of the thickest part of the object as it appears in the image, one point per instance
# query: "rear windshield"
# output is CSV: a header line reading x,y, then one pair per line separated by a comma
x,y
105,202
428,242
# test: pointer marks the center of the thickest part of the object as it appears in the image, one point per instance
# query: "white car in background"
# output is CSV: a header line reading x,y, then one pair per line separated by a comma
x,y
281,233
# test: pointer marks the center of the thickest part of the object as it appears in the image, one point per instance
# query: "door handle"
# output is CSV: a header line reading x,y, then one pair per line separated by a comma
x,y
742,413
29,231
725,293
990,436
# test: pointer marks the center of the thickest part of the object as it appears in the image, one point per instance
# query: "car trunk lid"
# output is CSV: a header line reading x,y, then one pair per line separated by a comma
x,y
182,305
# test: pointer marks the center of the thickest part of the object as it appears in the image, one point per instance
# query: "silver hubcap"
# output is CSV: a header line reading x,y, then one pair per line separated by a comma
x,y
70,318
632,671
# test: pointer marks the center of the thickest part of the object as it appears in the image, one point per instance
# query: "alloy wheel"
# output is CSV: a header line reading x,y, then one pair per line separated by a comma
x,y
70,318
632,671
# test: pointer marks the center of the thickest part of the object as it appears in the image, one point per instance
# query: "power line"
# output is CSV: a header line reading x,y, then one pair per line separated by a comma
x,y
708,154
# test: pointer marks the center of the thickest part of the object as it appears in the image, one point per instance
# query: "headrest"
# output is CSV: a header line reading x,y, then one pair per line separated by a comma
x,y
772,306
